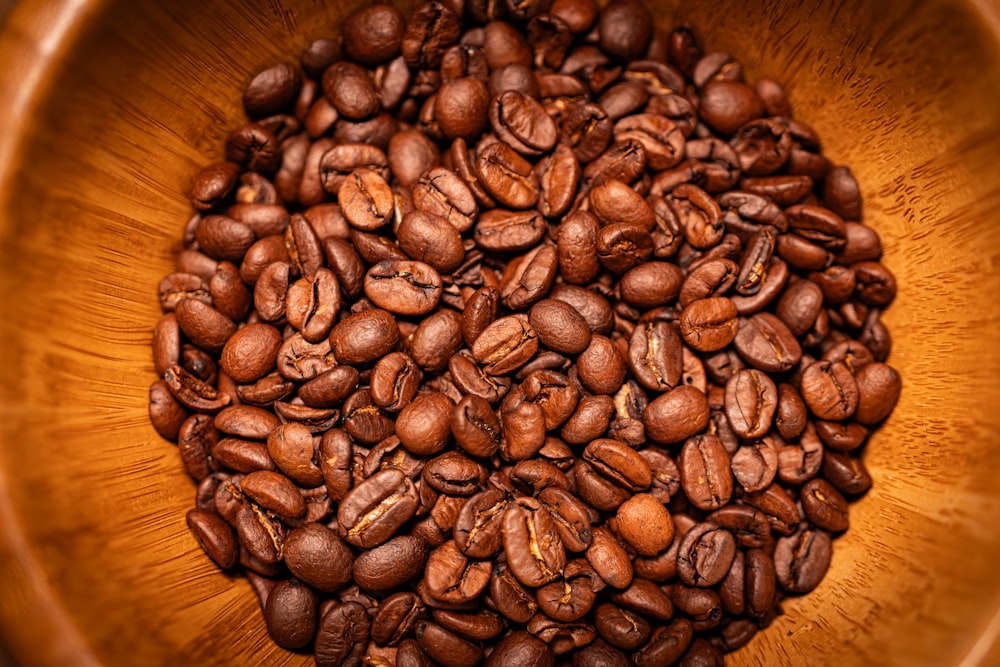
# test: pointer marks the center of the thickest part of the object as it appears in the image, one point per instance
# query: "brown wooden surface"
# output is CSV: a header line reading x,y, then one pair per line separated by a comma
x,y
111,105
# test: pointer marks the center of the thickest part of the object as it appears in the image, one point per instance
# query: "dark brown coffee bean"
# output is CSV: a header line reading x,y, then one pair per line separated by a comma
x,y
705,555
655,356
445,647
558,179
666,645
589,421
364,337
532,545
318,557
625,28
521,648
801,560
452,578
342,635
505,345
728,105
424,425
824,506
879,386
706,476
522,123
847,473
609,559
778,506
829,390
710,324
214,536
373,511
507,176
559,326
676,415
509,231
441,192
600,367
404,287
527,279
431,239
645,524
751,400
622,246
748,525
253,147
619,463
765,343
621,627
290,614
373,35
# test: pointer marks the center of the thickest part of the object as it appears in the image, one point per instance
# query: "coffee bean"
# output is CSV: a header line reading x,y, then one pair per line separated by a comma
x,y
505,345
531,543
676,415
705,472
424,425
215,537
372,512
801,560
645,524
290,614
342,635
709,324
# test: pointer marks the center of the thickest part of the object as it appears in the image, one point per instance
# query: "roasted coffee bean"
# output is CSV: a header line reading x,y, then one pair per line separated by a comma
x,y
528,278
645,524
766,343
507,176
521,648
622,246
879,386
676,415
445,647
290,614
342,635
601,368
655,355
505,345
364,337
751,400
372,512
509,231
619,463
404,287
532,546
666,645
705,555
317,556
215,537
830,390
609,559
706,476
522,123
559,326
802,559
424,425
709,324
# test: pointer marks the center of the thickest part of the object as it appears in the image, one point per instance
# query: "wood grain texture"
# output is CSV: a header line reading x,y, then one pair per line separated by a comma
x,y
113,105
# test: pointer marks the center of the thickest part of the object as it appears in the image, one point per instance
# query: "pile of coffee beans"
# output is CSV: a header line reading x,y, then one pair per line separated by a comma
x,y
522,332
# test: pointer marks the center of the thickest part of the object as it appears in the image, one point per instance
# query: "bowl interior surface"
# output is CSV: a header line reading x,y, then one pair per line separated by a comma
x,y
114,105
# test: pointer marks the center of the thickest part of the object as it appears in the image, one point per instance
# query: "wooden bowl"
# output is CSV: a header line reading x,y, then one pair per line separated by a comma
x,y
109,108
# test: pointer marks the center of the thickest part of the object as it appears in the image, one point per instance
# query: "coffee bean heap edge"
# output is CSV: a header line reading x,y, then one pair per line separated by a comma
x,y
522,332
